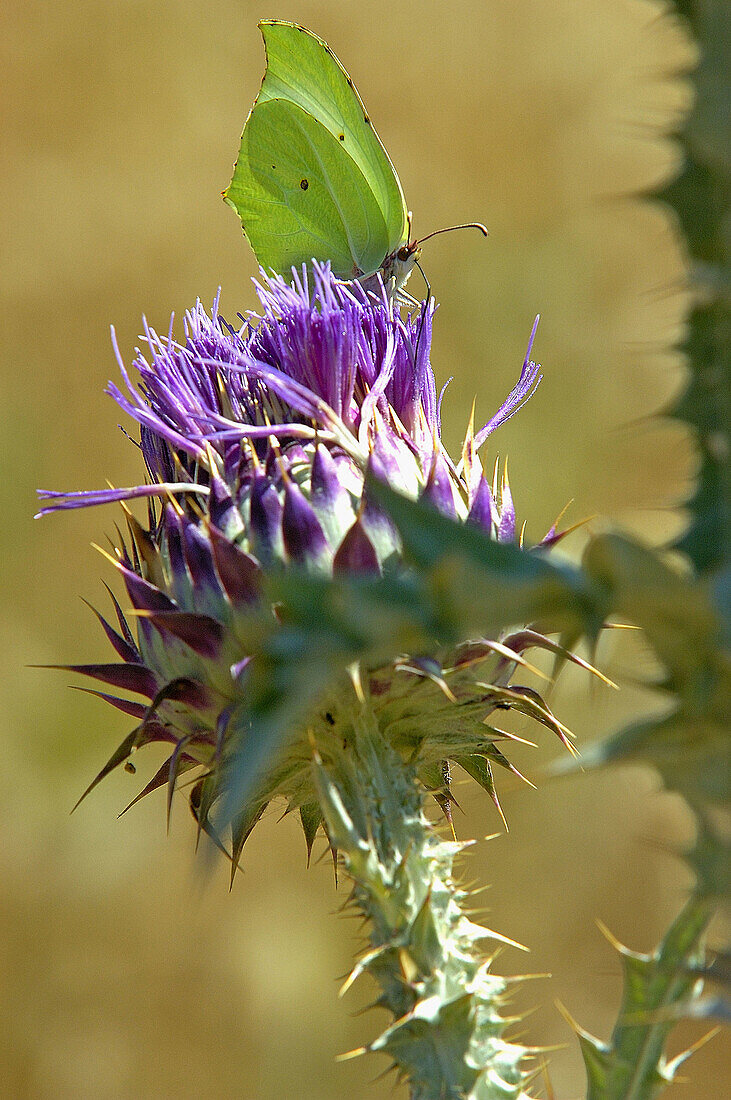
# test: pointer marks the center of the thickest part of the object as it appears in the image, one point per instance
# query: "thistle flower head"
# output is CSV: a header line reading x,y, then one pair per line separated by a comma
x,y
258,441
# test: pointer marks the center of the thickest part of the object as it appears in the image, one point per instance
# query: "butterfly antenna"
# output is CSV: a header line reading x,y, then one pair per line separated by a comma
x,y
451,229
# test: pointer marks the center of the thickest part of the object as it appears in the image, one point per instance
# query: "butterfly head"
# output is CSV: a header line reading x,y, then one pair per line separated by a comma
x,y
400,263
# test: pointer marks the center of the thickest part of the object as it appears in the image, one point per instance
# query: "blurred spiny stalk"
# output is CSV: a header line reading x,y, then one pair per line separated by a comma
x,y
699,197
446,1037
685,617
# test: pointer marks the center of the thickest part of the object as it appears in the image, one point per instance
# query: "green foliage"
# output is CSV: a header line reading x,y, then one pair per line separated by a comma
x,y
688,745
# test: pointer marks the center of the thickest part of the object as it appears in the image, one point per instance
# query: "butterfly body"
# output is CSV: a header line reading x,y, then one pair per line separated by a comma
x,y
312,180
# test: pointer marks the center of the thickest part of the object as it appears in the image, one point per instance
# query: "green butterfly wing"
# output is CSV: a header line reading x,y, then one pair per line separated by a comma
x,y
302,68
312,179
303,198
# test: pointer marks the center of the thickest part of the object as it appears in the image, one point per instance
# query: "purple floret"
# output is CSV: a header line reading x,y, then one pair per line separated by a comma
x,y
323,364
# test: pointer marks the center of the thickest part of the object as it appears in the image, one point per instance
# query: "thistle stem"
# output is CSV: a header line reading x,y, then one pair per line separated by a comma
x,y
446,1037
633,1065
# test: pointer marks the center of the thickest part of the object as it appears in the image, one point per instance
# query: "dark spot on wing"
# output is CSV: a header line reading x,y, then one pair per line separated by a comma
x,y
329,718
304,184
366,120
341,137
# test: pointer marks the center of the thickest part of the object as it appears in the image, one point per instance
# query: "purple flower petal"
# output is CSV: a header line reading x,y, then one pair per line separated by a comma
x,y
526,386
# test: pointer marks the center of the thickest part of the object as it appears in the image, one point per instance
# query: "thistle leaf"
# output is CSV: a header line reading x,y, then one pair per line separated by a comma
x,y
473,584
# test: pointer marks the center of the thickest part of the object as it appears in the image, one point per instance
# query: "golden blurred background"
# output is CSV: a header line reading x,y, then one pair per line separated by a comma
x,y
125,973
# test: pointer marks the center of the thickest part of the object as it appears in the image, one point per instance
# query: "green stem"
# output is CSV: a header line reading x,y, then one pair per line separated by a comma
x,y
446,1037
633,1066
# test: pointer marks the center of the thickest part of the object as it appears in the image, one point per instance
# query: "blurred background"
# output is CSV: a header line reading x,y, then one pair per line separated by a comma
x,y
125,971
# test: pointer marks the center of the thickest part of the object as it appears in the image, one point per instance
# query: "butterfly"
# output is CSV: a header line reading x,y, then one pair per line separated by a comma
x,y
312,179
